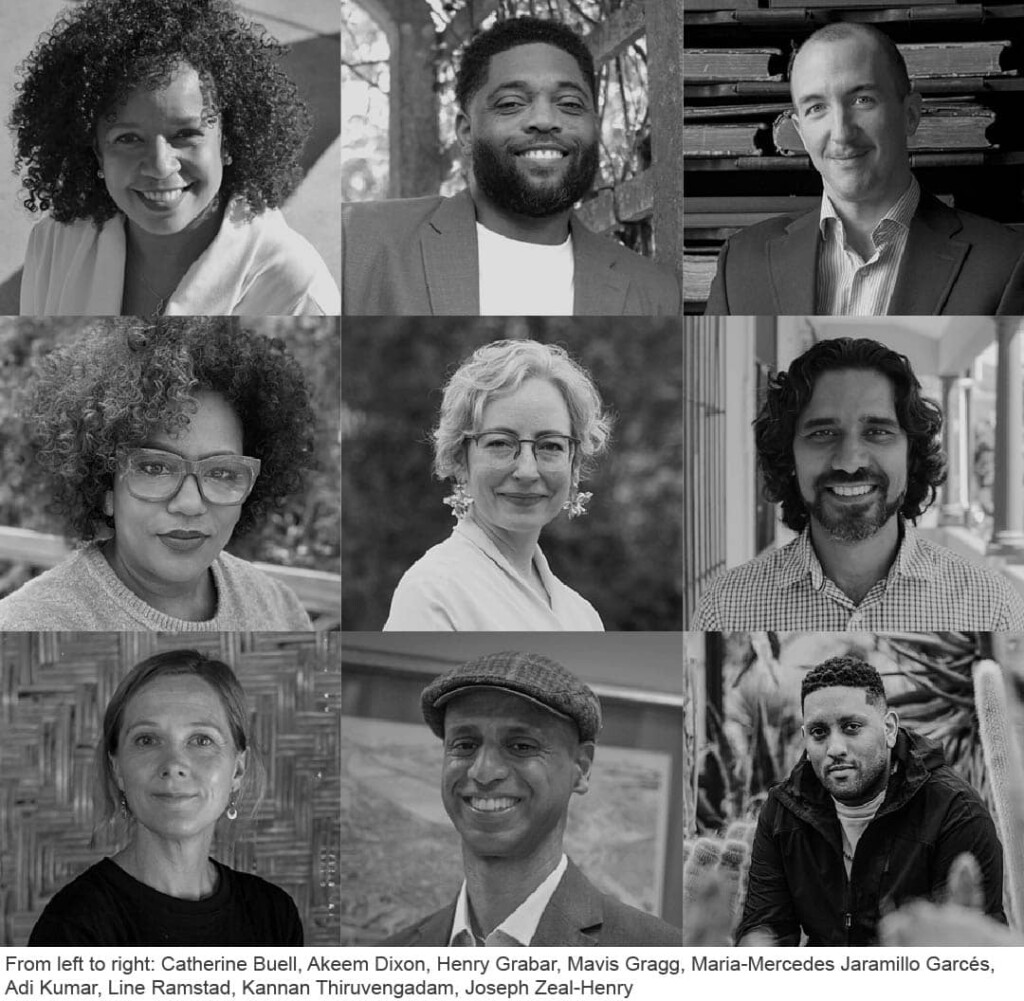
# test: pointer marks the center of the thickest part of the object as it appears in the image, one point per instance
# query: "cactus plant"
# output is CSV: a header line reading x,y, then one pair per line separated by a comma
x,y
1006,776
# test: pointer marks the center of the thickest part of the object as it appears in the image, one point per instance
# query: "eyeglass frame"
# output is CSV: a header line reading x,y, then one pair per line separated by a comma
x,y
574,442
189,467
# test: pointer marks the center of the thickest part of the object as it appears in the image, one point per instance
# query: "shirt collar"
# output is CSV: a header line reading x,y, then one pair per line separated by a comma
x,y
519,927
901,212
911,559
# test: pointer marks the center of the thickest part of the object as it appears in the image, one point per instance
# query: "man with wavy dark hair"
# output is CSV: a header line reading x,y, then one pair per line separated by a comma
x,y
849,447
528,131
870,818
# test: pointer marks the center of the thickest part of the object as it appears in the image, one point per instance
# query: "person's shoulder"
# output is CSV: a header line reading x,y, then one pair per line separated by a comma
x,y
289,274
69,918
763,570
624,924
265,602
270,908
432,930
994,237
57,599
255,888
390,216
756,236
952,569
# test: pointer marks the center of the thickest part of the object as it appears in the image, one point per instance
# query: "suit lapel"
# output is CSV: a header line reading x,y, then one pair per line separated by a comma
x,y
436,929
574,914
598,288
448,245
793,266
931,261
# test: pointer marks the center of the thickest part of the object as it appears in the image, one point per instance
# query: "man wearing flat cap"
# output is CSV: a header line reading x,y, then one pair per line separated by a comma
x,y
519,733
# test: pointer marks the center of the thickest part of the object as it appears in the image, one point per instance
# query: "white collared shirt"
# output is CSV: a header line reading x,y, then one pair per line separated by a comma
x,y
524,279
467,584
519,927
848,285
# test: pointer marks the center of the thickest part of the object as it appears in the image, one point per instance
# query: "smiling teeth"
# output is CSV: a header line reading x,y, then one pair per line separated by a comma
x,y
492,805
852,491
544,154
164,197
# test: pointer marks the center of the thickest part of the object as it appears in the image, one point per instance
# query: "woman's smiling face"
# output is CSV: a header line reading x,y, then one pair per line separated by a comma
x,y
161,155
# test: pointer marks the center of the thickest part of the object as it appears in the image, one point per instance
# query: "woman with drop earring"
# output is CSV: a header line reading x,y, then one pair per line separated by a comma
x,y
175,759
519,428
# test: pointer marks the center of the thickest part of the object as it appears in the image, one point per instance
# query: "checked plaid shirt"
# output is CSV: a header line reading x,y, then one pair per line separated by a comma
x,y
928,587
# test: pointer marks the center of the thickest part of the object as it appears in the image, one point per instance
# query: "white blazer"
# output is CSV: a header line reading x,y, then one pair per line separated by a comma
x,y
255,266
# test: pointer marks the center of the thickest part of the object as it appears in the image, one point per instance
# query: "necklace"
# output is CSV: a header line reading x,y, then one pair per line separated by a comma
x,y
161,300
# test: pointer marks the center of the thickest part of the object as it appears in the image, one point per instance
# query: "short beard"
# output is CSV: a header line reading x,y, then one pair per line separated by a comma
x,y
855,524
499,179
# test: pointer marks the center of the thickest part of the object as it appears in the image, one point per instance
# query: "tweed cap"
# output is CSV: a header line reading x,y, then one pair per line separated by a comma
x,y
530,675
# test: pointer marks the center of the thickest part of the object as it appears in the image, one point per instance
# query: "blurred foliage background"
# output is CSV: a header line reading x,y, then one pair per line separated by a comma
x,y
303,533
623,556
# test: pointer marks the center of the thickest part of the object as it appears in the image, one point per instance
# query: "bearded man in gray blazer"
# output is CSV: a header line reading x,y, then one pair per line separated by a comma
x,y
509,244
519,732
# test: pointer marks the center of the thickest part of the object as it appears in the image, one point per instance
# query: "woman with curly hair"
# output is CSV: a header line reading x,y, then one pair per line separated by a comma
x,y
163,136
520,425
157,444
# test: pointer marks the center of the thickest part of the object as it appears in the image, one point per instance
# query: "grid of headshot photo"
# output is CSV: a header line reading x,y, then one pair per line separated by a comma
x,y
535,476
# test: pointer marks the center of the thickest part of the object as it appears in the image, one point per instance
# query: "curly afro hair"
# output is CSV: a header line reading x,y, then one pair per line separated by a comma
x,y
114,385
476,56
845,672
87,64
788,394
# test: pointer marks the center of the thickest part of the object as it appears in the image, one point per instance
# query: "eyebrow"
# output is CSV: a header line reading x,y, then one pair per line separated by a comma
x,y
848,718
512,431
182,455
816,422
210,724
860,88
526,85
194,121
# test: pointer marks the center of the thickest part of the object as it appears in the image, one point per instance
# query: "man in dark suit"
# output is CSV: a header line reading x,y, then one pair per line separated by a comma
x,y
519,733
510,244
879,245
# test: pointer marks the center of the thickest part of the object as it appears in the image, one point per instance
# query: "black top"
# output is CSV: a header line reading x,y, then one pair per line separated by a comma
x,y
106,906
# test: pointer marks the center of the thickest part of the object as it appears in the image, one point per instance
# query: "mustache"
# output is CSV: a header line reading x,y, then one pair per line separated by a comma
x,y
840,478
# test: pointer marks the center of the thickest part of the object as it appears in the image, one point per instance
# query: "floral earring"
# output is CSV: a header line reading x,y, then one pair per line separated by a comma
x,y
459,500
577,503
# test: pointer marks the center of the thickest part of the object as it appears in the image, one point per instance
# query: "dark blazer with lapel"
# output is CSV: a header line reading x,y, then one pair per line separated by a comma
x,y
955,264
418,256
578,914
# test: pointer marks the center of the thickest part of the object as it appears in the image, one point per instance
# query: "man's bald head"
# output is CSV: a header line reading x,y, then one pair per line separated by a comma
x,y
841,30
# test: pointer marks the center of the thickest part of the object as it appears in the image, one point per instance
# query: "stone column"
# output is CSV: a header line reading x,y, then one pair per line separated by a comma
x,y
951,511
1008,500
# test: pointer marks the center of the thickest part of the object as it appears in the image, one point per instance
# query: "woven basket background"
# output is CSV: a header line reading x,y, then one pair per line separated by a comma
x,y
54,688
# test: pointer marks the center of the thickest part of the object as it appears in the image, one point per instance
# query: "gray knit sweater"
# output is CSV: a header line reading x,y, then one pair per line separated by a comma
x,y
83,592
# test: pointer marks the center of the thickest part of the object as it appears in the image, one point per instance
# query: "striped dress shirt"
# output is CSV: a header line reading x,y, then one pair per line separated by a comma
x,y
928,587
848,285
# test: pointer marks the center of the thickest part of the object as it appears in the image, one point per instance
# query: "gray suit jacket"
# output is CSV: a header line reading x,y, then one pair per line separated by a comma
x,y
418,256
578,914
955,264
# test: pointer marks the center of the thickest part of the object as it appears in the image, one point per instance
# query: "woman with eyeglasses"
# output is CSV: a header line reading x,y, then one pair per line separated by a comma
x,y
157,445
520,424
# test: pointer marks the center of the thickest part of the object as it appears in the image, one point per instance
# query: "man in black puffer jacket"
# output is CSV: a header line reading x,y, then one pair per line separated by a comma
x,y
870,818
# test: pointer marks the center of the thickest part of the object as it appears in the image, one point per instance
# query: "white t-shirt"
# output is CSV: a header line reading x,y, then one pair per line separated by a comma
x,y
524,279
854,820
